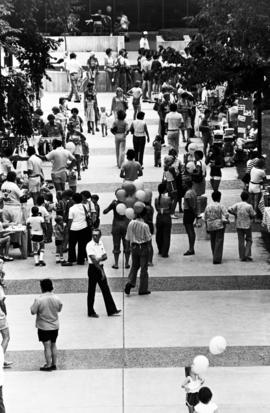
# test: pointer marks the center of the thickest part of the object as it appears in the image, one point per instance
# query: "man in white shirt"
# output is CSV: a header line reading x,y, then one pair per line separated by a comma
x,y
35,173
96,254
59,158
173,123
75,73
11,197
144,43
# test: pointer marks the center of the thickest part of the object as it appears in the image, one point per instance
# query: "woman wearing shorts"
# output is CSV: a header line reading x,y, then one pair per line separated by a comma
x,y
46,307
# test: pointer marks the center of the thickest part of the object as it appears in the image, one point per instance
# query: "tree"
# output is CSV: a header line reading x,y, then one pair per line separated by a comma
x,y
232,45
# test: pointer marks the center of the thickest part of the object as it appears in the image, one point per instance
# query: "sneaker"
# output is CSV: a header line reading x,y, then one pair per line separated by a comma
x,y
42,263
145,293
115,313
53,367
189,253
127,288
6,258
94,315
45,368
37,264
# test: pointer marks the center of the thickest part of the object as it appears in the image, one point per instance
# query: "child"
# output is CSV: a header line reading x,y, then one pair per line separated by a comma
x,y
157,144
205,404
37,227
136,93
90,114
3,315
63,106
192,385
72,180
95,199
85,153
75,120
43,212
60,205
50,206
59,232
76,139
103,121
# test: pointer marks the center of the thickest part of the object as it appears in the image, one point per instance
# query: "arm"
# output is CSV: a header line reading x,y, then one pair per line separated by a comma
x,y
34,307
147,133
122,174
109,208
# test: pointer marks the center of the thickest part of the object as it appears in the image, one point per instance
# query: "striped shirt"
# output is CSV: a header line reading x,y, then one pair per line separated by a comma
x,y
138,232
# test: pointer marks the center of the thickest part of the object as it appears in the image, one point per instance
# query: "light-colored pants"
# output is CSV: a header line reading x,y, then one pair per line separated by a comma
x,y
244,242
12,213
74,78
120,148
173,140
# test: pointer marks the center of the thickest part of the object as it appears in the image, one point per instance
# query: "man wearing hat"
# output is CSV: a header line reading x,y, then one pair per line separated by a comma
x,y
144,44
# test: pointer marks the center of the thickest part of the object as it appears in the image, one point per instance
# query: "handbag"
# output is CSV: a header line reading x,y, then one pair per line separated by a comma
x,y
88,217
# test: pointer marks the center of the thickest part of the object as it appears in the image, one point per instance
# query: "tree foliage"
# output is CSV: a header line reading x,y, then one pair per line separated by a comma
x,y
233,44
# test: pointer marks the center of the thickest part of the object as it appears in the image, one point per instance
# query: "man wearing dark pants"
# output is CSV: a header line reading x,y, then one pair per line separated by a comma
x,y
244,213
216,216
96,255
190,212
138,235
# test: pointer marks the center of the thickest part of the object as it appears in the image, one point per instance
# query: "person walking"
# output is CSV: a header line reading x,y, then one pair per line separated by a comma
x,y
130,169
75,74
35,173
163,205
46,308
244,214
216,217
120,130
173,123
96,255
190,214
138,235
140,131
256,184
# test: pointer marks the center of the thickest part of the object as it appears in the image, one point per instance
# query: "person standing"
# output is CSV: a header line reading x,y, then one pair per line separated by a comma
x,y
205,404
216,216
59,158
120,130
12,211
35,173
140,132
46,308
131,169
144,43
75,74
206,131
96,275
173,123
244,214
138,235
163,205
2,406
190,214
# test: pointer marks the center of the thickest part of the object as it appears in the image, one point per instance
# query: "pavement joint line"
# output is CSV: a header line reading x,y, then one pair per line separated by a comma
x,y
141,357
156,284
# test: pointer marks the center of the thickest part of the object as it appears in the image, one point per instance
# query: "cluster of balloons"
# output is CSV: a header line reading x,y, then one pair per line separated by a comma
x,y
132,197
217,345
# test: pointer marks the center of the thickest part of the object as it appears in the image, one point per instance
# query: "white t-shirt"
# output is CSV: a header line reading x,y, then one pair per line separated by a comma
x,y
206,408
73,66
144,43
77,214
11,193
256,179
136,92
59,158
174,120
92,248
139,127
34,163
35,222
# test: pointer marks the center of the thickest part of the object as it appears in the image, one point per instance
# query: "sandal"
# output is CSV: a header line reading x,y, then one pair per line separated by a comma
x,y
115,267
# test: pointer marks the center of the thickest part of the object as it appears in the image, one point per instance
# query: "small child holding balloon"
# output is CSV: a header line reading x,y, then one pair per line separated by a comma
x,y
192,385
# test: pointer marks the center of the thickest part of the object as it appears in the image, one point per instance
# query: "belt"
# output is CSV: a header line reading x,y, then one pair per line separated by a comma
x,y
74,73
256,183
173,130
139,244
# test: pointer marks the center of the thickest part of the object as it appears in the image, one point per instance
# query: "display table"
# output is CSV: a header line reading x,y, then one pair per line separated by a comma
x,y
19,234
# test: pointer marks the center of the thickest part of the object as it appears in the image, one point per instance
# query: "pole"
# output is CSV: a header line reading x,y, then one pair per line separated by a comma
x,y
162,14
139,15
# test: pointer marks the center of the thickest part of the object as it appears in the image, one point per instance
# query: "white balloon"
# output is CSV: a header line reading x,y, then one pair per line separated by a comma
x,y
121,209
138,183
130,213
217,345
70,147
140,195
200,364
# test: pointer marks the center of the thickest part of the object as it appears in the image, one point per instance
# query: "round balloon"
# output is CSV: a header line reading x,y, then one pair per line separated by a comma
x,y
121,209
130,201
140,195
190,167
200,364
108,9
217,345
148,195
130,213
70,147
138,207
138,183
129,187
121,195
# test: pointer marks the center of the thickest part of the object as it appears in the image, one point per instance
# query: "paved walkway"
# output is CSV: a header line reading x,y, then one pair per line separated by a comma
x,y
135,362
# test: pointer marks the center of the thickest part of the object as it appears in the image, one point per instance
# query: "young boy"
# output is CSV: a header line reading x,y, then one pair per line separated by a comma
x,y
103,121
157,144
59,232
37,228
136,93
